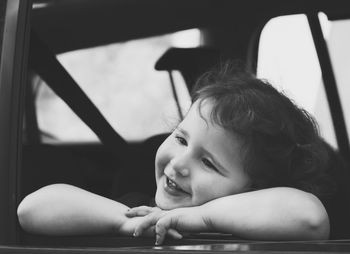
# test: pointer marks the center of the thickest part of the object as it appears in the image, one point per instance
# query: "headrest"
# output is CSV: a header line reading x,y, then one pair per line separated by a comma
x,y
191,62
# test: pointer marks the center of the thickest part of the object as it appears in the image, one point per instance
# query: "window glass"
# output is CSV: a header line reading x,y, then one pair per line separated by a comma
x,y
288,59
121,80
338,41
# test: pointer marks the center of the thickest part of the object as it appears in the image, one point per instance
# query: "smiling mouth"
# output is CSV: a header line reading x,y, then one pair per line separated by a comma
x,y
172,187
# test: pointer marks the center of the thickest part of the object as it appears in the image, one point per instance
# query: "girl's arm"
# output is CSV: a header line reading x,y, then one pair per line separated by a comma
x,y
62,209
269,214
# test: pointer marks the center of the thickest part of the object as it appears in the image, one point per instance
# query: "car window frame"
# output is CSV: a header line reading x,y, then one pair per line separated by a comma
x,y
13,69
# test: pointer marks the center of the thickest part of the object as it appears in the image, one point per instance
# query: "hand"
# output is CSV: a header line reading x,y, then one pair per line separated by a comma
x,y
142,211
182,219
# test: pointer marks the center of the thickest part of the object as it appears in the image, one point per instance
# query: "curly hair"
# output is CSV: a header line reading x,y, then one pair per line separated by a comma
x,y
281,142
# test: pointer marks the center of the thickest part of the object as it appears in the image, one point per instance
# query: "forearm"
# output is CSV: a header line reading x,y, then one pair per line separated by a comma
x,y
271,214
62,209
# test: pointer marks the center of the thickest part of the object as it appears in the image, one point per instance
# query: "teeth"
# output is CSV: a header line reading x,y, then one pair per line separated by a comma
x,y
171,183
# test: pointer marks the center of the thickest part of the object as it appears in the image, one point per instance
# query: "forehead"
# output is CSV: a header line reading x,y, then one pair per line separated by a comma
x,y
199,115
212,137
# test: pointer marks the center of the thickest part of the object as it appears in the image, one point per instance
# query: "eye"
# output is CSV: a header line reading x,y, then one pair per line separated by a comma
x,y
181,140
209,164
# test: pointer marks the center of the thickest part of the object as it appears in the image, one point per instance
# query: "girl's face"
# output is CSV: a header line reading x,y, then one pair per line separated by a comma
x,y
198,162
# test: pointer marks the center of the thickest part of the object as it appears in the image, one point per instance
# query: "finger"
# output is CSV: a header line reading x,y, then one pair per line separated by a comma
x,y
148,221
160,234
174,234
162,228
138,211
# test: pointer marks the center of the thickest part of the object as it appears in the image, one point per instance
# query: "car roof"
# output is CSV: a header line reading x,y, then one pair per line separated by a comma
x,y
67,25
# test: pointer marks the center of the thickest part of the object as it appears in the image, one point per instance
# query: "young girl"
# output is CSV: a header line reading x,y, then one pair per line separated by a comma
x,y
245,160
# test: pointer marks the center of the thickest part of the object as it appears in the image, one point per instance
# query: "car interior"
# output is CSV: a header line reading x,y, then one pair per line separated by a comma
x,y
229,30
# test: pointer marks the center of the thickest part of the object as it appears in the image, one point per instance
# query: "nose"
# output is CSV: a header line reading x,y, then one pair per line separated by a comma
x,y
181,165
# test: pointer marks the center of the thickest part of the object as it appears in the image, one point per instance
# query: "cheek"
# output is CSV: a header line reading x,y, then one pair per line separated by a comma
x,y
205,191
163,157
202,187
231,187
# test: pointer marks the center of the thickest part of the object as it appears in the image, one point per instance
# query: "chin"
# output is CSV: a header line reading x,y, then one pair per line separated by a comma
x,y
165,204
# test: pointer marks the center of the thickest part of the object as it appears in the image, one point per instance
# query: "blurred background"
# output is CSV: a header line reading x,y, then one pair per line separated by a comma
x,y
134,92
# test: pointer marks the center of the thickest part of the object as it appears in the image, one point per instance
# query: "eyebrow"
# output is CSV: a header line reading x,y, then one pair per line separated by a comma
x,y
215,160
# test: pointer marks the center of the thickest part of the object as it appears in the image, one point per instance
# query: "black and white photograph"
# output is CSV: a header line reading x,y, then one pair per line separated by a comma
x,y
174,126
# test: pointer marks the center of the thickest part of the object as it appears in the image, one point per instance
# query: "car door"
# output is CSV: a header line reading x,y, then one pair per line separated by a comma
x,y
14,24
